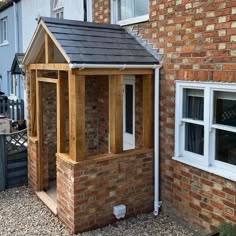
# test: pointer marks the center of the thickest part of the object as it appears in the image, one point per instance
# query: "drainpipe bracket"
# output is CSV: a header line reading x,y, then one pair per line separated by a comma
x,y
157,208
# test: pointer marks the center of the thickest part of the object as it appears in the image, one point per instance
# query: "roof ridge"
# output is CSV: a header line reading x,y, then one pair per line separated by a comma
x,y
145,43
79,23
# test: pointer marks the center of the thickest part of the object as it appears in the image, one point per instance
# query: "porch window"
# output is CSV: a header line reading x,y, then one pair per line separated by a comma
x,y
58,9
127,12
206,126
3,31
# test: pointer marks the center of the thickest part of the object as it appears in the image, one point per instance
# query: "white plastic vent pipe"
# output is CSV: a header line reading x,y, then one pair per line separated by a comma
x,y
103,66
157,202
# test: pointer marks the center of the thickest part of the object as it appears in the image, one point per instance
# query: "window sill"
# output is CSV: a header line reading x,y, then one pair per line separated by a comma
x,y
210,169
134,20
4,44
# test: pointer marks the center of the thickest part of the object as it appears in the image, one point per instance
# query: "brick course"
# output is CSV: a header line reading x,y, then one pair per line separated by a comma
x,y
198,40
87,191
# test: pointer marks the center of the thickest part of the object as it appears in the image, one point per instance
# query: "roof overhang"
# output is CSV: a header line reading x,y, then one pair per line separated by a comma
x,y
16,64
8,4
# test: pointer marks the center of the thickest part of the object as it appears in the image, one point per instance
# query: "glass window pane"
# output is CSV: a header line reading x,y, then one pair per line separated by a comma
x,y
226,146
141,7
129,108
193,104
225,108
194,138
132,8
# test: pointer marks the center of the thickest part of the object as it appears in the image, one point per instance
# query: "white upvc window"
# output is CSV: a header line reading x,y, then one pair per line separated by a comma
x,y
4,31
126,12
58,8
205,126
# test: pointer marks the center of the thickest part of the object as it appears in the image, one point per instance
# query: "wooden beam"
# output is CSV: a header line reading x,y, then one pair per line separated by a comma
x,y
47,80
33,121
61,120
39,111
52,66
116,113
77,117
148,111
60,48
49,49
105,71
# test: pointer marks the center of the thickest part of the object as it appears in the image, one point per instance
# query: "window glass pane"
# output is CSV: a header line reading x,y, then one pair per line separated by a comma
x,y
129,108
193,104
132,8
141,7
225,108
3,29
58,4
226,146
194,138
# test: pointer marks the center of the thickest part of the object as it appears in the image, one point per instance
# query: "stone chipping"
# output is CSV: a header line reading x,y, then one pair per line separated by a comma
x,y
22,213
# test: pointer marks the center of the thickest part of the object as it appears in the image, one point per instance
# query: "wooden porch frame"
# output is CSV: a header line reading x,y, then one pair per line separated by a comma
x,y
77,116
39,127
76,87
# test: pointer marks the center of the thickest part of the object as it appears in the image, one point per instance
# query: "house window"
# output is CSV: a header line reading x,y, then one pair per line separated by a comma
x,y
205,126
125,12
3,31
58,9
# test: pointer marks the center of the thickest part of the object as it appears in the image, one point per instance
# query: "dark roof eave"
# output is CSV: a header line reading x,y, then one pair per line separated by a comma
x,y
8,4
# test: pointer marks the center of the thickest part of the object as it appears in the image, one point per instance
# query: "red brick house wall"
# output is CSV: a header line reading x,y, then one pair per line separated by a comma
x,y
198,40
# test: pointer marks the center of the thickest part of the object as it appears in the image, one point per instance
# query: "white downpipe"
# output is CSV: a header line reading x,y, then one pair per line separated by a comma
x,y
15,28
157,202
115,66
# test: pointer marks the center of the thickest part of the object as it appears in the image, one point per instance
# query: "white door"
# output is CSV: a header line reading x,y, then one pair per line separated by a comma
x,y
129,113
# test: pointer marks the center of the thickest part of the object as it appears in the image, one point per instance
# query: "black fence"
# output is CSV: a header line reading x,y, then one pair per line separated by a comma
x,y
13,159
12,109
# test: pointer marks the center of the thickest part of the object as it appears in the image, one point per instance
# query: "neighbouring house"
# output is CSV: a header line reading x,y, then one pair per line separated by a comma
x,y
197,100
90,89
18,21
10,43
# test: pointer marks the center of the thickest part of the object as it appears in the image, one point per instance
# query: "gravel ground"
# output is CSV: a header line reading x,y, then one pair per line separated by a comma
x,y
21,213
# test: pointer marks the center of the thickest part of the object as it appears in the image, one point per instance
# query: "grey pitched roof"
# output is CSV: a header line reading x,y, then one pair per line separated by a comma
x,y
93,43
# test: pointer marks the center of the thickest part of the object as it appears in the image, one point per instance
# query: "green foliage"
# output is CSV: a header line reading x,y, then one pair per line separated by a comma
x,y
227,229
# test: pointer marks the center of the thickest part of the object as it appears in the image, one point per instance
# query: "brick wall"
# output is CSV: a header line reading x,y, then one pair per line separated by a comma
x,y
49,145
101,11
97,115
103,114
86,200
33,180
198,40
91,117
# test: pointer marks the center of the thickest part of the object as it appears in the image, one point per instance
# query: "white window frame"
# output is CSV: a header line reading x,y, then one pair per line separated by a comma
x,y
4,35
128,80
57,10
129,21
206,161
89,10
